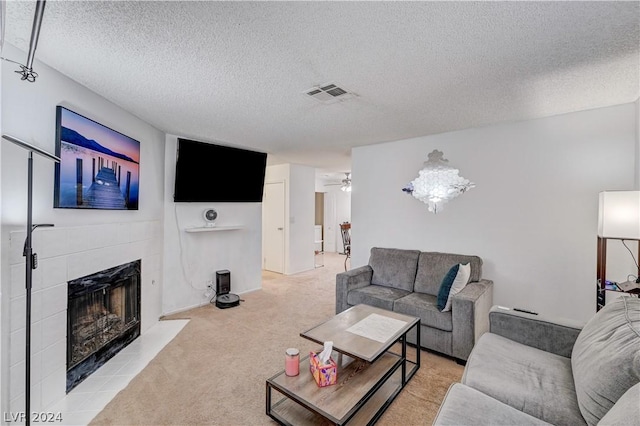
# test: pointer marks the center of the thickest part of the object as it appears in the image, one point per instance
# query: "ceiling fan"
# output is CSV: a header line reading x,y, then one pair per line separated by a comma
x,y
345,183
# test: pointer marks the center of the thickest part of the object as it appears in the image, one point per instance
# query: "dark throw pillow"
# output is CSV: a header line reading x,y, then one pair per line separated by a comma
x,y
445,287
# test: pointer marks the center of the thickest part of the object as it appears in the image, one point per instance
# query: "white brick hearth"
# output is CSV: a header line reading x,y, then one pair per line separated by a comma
x,y
65,254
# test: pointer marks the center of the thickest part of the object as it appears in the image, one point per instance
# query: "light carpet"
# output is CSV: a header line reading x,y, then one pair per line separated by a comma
x,y
214,371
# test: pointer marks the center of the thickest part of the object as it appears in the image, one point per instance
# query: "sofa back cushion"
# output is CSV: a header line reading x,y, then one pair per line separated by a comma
x,y
433,266
606,357
394,267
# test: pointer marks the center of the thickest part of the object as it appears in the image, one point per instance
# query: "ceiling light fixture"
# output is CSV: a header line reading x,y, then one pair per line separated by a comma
x,y
346,183
437,182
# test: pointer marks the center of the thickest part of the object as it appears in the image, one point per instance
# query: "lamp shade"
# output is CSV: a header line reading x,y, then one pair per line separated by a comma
x,y
619,215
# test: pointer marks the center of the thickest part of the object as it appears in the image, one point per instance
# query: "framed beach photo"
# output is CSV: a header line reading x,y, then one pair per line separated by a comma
x,y
99,167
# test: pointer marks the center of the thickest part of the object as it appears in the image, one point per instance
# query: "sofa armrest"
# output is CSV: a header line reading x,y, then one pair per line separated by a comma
x,y
555,335
470,315
350,280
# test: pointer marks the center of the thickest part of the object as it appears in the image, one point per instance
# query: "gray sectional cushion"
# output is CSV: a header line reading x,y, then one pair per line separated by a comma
x,y
394,267
424,306
555,335
466,406
433,266
528,379
606,357
375,295
626,411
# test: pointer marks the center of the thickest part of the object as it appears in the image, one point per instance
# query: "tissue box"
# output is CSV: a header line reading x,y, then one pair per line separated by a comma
x,y
324,375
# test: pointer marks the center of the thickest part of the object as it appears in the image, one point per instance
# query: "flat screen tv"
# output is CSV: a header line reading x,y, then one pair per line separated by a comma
x,y
99,167
214,173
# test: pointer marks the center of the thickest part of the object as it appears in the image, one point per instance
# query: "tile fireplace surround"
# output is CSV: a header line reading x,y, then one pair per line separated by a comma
x,y
64,254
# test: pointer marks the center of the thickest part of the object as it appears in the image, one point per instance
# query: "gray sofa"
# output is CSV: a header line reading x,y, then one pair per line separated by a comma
x,y
408,281
530,370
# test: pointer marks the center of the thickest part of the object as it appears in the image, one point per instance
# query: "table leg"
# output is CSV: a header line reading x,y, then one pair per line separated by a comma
x,y
418,344
404,359
268,405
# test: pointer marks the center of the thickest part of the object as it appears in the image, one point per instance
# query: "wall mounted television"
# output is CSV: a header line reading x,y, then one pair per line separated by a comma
x,y
99,167
214,173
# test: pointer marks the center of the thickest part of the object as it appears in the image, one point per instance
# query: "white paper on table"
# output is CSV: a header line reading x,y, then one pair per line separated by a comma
x,y
377,327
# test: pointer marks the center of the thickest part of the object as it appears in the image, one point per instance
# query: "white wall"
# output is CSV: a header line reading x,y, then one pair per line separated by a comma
x,y
299,184
192,259
532,216
28,112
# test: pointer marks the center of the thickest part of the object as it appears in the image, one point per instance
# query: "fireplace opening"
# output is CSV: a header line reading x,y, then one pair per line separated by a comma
x,y
103,316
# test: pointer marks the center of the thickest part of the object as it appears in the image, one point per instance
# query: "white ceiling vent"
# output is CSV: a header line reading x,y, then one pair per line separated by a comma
x,y
328,93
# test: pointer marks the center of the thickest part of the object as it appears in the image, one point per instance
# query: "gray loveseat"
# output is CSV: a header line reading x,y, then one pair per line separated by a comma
x,y
530,370
408,281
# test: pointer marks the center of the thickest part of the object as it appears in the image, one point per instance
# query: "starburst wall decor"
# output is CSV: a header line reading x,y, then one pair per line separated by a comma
x,y
437,182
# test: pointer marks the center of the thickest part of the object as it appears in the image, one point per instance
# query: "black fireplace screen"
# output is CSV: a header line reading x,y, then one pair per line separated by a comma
x,y
103,316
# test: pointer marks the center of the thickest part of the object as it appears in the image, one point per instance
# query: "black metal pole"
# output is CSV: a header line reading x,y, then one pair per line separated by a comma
x,y
31,263
28,252
35,32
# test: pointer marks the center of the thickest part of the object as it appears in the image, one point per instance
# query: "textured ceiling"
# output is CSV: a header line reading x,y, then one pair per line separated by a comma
x,y
236,72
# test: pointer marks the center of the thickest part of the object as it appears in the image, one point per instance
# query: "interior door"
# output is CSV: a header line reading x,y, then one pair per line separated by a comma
x,y
330,224
273,229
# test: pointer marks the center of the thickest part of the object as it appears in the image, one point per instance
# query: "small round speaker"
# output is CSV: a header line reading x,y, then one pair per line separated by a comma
x,y
210,216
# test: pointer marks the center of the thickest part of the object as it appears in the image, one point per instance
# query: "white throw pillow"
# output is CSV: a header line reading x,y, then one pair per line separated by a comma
x,y
461,280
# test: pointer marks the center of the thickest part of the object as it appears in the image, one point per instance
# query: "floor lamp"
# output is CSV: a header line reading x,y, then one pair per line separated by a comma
x,y
31,262
618,219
